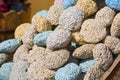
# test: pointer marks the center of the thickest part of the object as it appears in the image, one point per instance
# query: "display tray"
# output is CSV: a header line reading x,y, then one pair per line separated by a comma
x,y
113,73
10,20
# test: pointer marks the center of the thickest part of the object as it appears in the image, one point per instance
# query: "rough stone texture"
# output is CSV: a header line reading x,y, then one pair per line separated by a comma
x,y
29,36
37,53
105,16
69,3
84,51
111,42
3,57
41,23
102,56
115,28
93,73
37,72
21,53
86,64
20,30
70,71
5,70
115,4
78,38
58,39
9,45
19,71
89,7
71,18
93,31
56,59
54,13
40,39
117,49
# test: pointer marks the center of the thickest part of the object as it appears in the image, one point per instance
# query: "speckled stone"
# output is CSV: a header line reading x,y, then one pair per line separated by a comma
x,y
21,53
29,35
93,31
71,18
103,56
86,64
115,28
9,45
58,39
115,4
105,15
89,7
19,71
54,13
57,2
70,71
84,51
5,70
68,3
20,30
93,73
40,39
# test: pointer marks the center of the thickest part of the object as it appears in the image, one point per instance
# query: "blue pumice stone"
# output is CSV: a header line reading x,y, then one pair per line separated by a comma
x,y
9,45
40,39
86,64
5,71
115,4
69,72
69,3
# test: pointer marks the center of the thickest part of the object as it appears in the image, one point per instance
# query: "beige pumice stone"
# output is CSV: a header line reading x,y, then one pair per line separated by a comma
x,y
19,31
84,51
89,7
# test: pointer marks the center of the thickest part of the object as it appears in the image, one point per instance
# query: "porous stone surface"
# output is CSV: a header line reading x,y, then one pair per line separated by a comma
x,y
19,71
41,23
21,53
89,7
115,4
37,53
102,56
84,51
54,13
93,31
9,45
70,71
93,73
37,72
78,38
111,42
19,31
58,39
105,15
68,3
5,70
115,28
40,39
28,36
74,22
56,59
86,64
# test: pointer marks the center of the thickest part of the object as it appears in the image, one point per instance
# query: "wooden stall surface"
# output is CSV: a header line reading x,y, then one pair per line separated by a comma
x,y
10,20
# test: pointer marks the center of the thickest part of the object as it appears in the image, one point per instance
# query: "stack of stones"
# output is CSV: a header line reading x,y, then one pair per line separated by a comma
x,y
71,38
